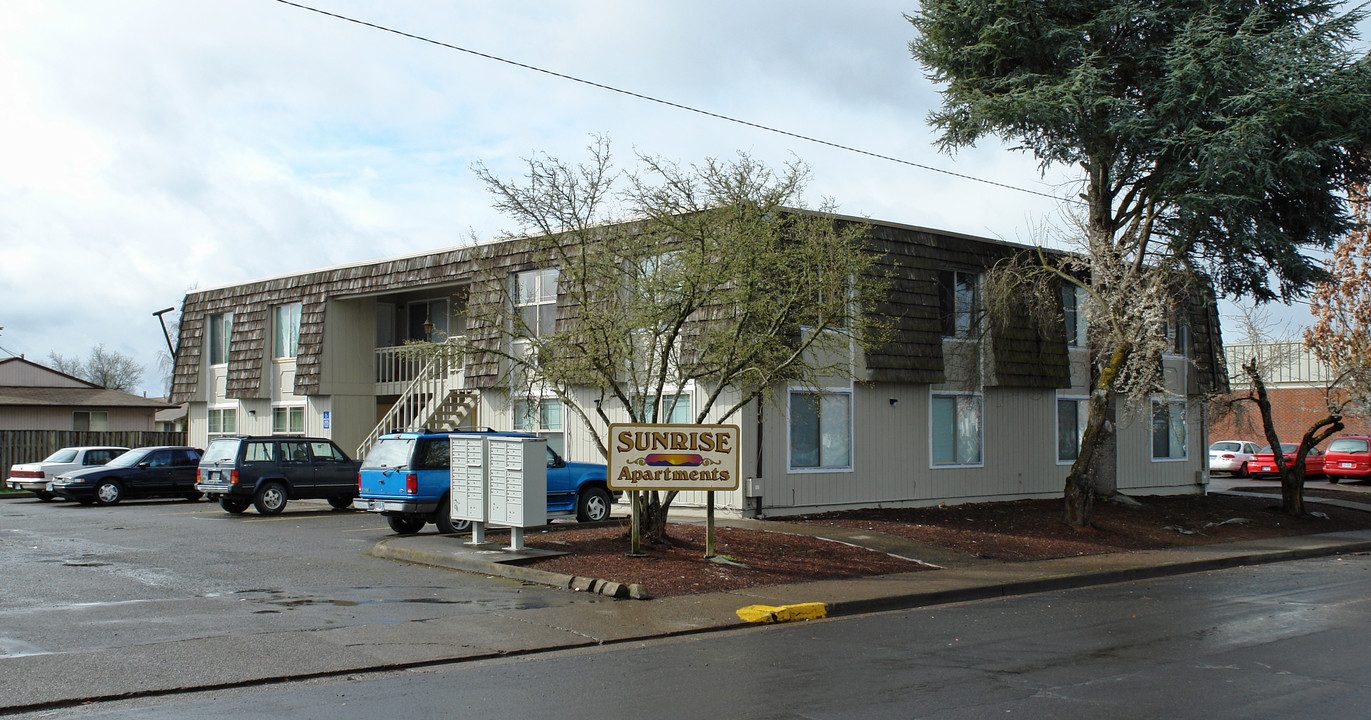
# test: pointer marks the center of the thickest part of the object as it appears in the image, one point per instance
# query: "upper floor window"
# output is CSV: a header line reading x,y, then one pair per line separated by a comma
x,y
220,332
1073,315
1070,426
535,299
285,324
1177,335
958,300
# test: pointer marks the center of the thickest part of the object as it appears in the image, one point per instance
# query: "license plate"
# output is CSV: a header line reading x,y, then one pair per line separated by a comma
x,y
1347,465
1267,468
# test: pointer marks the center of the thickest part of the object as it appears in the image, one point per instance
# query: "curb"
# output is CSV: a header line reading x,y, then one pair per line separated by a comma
x,y
1073,581
574,583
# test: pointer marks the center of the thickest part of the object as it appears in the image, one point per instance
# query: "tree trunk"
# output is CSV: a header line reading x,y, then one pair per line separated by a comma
x,y
652,515
1079,495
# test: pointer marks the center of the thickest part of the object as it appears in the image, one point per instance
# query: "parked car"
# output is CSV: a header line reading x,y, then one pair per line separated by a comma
x,y
1263,464
268,471
1232,456
35,477
405,477
1348,458
163,471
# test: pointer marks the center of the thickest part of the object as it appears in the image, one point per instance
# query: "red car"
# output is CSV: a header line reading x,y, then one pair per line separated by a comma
x,y
1263,464
1348,458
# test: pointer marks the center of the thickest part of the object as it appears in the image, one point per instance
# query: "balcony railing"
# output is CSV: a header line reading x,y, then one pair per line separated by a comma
x,y
398,366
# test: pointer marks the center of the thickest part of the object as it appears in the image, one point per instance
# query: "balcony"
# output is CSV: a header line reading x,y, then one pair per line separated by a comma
x,y
398,366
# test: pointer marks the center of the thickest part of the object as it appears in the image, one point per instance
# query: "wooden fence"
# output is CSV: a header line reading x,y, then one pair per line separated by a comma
x,y
24,446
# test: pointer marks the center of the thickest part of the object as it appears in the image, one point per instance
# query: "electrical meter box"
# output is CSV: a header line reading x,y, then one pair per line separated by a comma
x,y
468,467
516,481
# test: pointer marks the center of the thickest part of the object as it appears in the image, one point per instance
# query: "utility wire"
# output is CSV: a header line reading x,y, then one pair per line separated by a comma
x,y
678,106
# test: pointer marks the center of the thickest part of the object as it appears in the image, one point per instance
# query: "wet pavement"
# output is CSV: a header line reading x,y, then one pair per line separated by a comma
x,y
232,661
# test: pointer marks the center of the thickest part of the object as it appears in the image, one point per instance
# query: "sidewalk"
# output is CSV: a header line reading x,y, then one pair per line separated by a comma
x,y
231,661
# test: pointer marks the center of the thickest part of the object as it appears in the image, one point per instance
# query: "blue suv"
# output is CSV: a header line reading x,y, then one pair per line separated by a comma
x,y
405,477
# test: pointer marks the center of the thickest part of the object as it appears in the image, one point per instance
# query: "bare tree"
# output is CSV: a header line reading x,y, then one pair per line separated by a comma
x,y
722,282
107,368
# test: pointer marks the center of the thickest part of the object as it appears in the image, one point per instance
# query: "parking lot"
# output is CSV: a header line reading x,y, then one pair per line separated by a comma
x,y
143,573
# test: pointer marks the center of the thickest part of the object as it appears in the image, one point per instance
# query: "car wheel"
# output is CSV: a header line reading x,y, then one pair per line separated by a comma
x,y
592,505
1334,479
340,502
270,499
108,492
1242,471
193,496
443,519
404,524
43,495
233,504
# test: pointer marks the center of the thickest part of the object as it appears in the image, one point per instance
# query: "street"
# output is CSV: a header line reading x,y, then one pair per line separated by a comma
x,y
1272,641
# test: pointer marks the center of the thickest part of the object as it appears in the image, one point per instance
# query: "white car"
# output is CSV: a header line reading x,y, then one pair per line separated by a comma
x,y
36,476
1231,456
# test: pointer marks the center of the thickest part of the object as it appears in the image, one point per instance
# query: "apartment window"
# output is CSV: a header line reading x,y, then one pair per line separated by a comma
x,y
820,430
1070,426
1073,315
1177,336
543,417
223,421
288,420
956,429
674,410
535,299
285,323
92,421
1168,430
958,299
220,332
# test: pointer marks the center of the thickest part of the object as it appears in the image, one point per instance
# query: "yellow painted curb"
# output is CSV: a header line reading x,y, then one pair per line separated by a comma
x,y
784,613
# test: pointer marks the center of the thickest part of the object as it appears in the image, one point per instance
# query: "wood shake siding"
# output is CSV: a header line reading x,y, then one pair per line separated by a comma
x,y
910,257
251,305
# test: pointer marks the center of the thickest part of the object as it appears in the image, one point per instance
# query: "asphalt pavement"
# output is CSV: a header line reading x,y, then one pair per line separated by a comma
x,y
221,662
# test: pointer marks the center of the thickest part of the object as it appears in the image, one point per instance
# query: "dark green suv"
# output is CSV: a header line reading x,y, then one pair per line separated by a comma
x,y
267,471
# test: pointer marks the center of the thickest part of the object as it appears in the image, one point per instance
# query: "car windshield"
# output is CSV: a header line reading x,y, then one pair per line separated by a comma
x,y
221,450
129,459
1349,445
389,453
1225,447
65,455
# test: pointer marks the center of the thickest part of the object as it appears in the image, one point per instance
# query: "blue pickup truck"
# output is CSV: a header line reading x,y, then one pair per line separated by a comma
x,y
405,477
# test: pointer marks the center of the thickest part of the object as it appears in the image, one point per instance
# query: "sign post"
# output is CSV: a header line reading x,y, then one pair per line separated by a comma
x,y
673,457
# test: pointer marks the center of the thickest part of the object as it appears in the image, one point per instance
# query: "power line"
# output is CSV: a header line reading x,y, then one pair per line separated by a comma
x,y
668,103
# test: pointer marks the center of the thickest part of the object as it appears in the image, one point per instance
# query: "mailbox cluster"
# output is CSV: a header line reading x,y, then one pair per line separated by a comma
x,y
499,481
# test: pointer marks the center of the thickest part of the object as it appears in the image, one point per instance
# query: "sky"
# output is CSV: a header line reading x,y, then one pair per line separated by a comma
x,y
149,148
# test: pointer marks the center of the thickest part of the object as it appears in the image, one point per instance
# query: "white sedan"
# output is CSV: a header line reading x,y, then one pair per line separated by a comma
x,y
36,476
1231,456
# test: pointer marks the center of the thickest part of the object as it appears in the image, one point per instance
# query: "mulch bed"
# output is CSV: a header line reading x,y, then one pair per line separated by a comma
x,y
1001,531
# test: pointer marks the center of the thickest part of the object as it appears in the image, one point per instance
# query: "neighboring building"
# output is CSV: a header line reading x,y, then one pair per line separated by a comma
x,y
933,417
1297,384
35,397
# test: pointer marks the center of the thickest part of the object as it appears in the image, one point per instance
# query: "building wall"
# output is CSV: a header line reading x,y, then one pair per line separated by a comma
x,y
1294,411
60,418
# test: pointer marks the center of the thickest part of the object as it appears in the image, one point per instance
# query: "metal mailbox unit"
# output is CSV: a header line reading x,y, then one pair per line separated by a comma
x,y
501,481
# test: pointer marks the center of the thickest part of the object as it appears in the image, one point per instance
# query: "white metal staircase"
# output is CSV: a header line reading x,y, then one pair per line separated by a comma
x,y
435,399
